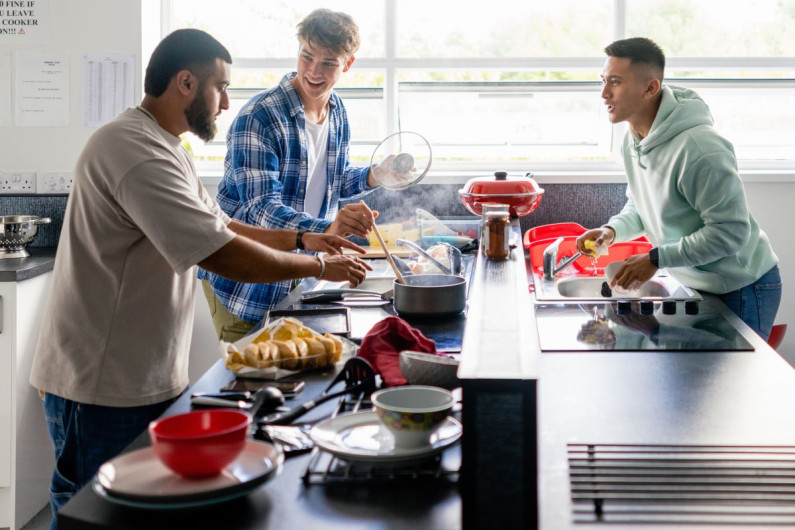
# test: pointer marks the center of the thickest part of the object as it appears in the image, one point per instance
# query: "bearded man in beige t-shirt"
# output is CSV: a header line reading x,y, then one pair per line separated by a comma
x,y
113,350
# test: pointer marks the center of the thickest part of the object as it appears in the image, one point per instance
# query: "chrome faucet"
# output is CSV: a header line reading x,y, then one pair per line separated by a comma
x,y
551,265
453,255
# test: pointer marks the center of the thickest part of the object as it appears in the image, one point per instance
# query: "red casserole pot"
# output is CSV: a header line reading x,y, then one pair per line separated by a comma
x,y
521,194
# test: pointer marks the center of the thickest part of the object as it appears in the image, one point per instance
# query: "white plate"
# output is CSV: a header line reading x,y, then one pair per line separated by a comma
x,y
140,479
362,437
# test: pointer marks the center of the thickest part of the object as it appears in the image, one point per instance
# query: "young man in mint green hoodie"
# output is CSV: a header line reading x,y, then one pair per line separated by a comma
x,y
683,191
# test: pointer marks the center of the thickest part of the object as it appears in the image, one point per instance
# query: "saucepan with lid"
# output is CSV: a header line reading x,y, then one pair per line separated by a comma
x,y
16,232
521,194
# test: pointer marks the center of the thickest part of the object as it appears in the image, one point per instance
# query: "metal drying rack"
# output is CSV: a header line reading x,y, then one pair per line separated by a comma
x,y
325,468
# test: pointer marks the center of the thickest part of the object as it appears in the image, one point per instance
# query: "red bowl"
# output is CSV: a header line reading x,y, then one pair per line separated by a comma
x,y
200,443
520,204
584,265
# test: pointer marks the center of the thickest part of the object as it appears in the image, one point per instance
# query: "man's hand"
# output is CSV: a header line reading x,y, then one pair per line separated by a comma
x,y
636,270
346,269
328,243
601,237
392,171
354,219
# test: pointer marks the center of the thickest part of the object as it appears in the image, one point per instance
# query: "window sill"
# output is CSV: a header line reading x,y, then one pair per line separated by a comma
x,y
554,176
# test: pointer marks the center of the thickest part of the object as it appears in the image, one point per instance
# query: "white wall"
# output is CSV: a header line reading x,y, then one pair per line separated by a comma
x,y
76,27
772,203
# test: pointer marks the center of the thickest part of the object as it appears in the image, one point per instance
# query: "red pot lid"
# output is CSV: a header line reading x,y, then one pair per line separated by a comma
x,y
501,184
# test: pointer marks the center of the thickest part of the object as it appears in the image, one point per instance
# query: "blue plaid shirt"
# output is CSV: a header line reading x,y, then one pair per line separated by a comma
x,y
264,183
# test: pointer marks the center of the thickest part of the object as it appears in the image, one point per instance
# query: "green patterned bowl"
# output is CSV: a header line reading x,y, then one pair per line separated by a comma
x,y
413,413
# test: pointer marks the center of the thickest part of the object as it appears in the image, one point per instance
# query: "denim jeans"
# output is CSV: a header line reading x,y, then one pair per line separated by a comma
x,y
85,436
757,303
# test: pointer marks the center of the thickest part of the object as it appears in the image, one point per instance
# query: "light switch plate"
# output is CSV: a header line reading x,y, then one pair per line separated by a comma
x,y
54,182
17,182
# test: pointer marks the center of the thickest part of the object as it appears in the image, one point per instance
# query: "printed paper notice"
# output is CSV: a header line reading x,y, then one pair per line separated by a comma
x,y
42,89
5,88
108,87
24,21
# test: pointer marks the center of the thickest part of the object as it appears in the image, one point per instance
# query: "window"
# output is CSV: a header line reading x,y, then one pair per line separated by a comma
x,y
514,84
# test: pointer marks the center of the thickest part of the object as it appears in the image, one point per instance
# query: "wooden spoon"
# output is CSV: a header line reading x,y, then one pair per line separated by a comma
x,y
391,261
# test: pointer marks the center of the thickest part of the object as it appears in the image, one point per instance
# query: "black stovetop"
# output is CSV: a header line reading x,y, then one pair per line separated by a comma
x,y
608,326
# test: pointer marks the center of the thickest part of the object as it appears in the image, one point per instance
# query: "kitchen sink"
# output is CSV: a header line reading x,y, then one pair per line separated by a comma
x,y
661,286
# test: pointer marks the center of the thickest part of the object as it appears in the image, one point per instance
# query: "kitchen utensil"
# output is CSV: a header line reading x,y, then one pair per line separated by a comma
x,y
453,257
361,437
358,376
412,413
199,443
421,368
401,160
212,401
521,194
430,295
333,295
138,478
16,232
391,261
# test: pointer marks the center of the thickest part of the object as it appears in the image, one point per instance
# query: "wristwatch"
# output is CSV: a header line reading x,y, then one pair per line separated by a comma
x,y
654,256
298,243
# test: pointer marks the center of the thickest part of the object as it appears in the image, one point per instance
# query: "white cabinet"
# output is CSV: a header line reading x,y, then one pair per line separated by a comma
x,y
26,457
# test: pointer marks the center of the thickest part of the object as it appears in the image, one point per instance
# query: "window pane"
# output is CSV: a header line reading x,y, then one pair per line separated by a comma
x,y
503,28
758,122
253,28
519,125
715,28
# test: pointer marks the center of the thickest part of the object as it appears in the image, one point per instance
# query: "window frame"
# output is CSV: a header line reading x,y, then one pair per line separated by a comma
x,y
612,171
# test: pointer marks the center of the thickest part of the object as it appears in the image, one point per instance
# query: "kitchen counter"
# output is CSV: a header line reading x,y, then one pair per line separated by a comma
x,y
524,413
40,261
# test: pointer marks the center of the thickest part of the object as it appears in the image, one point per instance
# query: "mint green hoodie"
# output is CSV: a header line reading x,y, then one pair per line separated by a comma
x,y
685,194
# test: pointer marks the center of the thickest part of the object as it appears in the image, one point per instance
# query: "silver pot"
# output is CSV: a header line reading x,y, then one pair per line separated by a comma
x,y
430,295
16,232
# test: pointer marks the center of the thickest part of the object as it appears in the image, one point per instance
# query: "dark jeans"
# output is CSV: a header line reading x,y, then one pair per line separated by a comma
x,y
86,436
757,303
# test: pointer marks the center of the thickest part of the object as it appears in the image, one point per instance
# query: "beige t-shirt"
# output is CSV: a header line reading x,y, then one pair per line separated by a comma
x,y
118,325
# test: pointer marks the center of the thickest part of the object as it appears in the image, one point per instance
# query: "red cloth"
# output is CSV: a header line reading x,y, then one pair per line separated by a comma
x,y
384,342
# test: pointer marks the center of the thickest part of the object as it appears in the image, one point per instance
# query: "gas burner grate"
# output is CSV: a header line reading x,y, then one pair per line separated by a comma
x,y
324,468
682,484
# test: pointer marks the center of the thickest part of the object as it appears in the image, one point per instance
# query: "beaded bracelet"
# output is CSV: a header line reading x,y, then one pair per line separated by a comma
x,y
322,267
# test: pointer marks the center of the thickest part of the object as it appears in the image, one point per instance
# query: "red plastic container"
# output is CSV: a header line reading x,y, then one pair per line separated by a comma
x,y
584,266
200,443
555,230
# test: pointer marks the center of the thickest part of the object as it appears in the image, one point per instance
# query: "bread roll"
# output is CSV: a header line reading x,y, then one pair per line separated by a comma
x,y
286,332
337,355
303,350
265,354
262,337
234,356
288,354
317,353
251,354
328,349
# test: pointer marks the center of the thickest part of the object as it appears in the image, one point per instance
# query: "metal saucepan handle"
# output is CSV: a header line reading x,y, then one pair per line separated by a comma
x,y
42,221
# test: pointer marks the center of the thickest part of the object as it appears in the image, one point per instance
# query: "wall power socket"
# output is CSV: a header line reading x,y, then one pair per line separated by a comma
x,y
54,182
17,182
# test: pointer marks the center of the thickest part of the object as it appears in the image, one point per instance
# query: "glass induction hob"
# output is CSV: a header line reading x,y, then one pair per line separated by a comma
x,y
606,326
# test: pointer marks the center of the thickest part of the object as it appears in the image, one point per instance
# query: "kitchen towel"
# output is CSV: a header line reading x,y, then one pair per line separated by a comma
x,y
384,342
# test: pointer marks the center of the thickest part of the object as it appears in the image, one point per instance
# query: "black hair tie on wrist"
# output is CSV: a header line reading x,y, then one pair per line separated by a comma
x,y
298,243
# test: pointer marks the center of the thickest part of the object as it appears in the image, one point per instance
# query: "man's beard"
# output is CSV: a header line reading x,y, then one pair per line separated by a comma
x,y
200,120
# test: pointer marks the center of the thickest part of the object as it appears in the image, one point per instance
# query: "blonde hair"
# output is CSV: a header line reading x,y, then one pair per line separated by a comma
x,y
335,31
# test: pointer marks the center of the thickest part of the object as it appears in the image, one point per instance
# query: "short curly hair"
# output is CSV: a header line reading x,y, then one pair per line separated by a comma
x,y
335,31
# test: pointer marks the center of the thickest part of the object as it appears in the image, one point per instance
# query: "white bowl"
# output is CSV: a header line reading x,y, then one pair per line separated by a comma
x,y
428,369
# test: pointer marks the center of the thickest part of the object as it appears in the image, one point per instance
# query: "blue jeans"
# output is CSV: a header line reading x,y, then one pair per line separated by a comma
x,y
86,436
757,303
